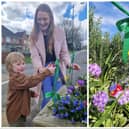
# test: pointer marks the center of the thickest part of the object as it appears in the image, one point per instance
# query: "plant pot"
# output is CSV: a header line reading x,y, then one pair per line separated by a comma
x,y
45,118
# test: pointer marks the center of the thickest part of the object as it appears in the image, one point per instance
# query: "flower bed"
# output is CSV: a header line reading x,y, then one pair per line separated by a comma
x,y
45,117
72,106
109,100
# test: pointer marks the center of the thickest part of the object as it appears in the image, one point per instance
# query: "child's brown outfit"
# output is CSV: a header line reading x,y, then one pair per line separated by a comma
x,y
18,101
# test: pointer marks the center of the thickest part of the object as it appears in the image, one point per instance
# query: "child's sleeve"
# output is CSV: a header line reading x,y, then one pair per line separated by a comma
x,y
24,82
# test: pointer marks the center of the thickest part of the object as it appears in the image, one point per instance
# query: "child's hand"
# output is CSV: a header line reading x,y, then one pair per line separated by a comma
x,y
51,68
36,94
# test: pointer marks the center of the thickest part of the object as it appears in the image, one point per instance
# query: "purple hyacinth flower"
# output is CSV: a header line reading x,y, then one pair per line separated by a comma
x,y
95,70
100,99
124,98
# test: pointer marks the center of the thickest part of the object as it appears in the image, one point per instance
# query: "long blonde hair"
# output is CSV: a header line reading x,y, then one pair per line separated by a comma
x,y
36,29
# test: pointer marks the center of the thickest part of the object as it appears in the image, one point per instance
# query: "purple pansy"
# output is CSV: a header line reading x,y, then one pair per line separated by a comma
x,y
81,82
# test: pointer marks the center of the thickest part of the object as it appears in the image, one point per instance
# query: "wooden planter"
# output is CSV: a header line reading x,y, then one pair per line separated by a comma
x,y
45,118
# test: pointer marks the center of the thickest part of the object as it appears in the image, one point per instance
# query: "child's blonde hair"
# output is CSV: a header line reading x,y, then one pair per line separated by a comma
x,y
13,57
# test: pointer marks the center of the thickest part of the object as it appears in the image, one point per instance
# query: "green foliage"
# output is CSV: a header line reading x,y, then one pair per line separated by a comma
x,y
104,52
107,53
73,35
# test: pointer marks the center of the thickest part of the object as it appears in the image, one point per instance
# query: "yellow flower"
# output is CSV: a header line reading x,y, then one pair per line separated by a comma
x,y
128,53
66,78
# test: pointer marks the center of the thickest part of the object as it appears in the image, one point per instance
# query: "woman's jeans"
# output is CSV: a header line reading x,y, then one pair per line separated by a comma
x,y
47,86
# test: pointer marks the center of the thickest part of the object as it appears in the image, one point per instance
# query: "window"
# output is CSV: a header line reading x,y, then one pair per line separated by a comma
x,y
8,39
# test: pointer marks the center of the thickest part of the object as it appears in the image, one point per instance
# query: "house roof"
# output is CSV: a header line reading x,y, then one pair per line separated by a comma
x,y
6,32
9,33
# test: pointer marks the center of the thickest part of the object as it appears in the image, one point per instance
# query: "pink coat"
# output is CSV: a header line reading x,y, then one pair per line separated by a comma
x,y
38,53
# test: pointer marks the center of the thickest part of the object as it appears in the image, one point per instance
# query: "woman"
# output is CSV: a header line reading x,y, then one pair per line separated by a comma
x,y
48,43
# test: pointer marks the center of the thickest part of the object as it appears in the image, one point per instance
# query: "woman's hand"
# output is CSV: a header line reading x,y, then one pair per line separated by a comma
x,y
74,66
50,67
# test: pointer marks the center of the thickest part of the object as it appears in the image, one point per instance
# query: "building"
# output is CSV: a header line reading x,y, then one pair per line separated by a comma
x,y
13,42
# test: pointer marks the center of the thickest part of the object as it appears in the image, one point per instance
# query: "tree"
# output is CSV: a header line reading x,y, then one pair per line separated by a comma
x,y
104,51
95,35
73,35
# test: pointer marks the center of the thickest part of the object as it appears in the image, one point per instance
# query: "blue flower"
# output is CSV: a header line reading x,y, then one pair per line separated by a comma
x,y
71,106
77,94
78,108
66,115
63,100
57,115
60,108
82,105
54,110
113,87
61,115
73,110
75,102
67,102
67,97
85,113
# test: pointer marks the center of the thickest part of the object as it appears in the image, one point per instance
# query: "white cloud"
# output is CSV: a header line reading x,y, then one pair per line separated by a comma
x,y
107,20
13,16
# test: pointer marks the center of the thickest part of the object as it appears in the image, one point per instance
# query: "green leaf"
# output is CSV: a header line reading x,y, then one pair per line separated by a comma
x,y
108,123
105,115
123,121
125,108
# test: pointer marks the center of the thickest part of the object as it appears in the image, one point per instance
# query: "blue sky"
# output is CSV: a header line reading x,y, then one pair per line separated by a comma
x,y
110,15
